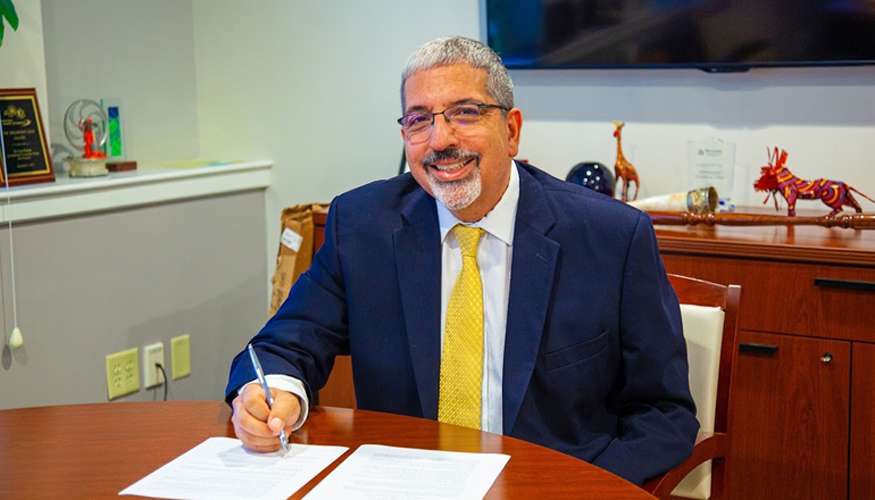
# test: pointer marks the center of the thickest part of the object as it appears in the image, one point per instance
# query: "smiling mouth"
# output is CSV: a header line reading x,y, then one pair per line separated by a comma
x,y
452,166
451,172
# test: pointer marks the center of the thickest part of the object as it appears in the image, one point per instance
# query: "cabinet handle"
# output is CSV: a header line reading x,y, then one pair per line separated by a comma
x,y
865,286
826,358
751,348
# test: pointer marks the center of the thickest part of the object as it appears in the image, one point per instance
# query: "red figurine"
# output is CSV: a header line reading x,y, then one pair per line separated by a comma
x,y
87,126
777,178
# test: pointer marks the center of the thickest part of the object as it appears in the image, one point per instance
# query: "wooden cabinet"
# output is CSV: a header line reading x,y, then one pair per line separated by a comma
x,y
803,398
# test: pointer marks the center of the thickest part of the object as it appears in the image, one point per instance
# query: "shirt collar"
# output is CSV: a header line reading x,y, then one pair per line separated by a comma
x,y
499,222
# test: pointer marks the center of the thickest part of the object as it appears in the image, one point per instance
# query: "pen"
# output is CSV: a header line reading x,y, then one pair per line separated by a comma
x,y
263,382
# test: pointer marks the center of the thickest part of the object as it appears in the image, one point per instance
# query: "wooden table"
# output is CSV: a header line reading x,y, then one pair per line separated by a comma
x,y
94,451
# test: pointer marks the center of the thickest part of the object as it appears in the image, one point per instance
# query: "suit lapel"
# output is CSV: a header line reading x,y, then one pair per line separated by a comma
x,y
532,274
418,257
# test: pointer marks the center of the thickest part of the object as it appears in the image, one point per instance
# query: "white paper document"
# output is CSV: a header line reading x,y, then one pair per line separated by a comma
x,y
391,473
221,468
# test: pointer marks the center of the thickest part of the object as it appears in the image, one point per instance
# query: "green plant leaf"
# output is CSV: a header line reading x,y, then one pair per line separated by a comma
x,y
1,30
8,10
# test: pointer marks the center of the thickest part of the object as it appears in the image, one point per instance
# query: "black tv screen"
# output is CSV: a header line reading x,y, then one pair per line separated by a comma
x,y
713,35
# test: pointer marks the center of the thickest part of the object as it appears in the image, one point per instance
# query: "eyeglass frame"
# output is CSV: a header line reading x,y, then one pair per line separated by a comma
x,y
480,107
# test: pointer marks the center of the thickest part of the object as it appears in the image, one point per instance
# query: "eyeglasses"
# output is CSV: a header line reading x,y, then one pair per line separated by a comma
x,y
417,126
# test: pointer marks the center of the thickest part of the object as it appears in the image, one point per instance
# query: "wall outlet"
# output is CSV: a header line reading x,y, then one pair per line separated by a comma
x,y
122,373
180,356
153,354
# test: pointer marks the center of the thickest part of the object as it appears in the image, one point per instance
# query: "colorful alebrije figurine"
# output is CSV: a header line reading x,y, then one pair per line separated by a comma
x,y
776,178
624,170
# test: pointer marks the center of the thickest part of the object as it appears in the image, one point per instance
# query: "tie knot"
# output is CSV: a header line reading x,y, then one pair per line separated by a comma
x,y
467,236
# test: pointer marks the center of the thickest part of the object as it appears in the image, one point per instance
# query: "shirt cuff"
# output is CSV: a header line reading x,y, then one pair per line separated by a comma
x,y
288,384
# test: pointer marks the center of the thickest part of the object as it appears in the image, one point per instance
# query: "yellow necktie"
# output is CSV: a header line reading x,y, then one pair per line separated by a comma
x,y
462,359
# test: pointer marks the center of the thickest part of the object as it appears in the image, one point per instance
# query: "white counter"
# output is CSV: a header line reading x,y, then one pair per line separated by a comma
x,y
144,186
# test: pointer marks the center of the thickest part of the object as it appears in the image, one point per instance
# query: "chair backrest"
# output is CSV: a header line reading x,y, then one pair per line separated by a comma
x,y
710,318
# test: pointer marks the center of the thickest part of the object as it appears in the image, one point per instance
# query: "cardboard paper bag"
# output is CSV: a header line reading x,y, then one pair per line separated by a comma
x,y
295,252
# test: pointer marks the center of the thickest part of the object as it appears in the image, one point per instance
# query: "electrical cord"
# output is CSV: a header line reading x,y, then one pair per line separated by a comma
x,y
164,374
15,339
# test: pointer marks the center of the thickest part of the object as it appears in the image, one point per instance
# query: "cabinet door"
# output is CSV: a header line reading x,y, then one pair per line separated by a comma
x,y
790,410
863,423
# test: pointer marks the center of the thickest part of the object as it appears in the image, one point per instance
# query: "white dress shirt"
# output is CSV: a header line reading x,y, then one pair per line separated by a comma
x,y
494,254
493,260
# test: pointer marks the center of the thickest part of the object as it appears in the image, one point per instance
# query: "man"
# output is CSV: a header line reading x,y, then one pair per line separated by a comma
x,y
577,337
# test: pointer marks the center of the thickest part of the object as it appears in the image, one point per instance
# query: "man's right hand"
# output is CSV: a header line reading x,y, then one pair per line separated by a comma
x,y
256,424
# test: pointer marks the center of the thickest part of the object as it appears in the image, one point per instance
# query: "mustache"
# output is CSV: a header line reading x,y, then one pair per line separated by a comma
x,y
449,154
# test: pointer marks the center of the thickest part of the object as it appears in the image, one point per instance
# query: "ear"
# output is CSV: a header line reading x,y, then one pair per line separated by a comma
x,y
514,127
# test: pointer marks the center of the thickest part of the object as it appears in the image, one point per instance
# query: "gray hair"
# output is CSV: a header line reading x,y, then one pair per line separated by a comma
x,y
458,49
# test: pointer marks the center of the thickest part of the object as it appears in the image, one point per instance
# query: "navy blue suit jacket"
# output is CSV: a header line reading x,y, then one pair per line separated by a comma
x,y
595,361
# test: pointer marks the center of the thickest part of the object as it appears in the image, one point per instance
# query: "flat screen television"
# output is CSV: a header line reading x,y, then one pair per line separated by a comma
x,y
712,35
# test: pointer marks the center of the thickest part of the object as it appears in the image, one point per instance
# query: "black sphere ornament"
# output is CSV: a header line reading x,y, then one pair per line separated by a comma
x,y
593,175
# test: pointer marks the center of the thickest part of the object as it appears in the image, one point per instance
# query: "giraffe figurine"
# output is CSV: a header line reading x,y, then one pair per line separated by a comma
x,y
622,168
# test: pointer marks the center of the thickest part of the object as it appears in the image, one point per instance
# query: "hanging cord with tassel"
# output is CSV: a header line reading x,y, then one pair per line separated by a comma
x,y
15,339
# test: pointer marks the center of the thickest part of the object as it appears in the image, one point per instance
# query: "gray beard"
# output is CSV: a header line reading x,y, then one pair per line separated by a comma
x,y
457,195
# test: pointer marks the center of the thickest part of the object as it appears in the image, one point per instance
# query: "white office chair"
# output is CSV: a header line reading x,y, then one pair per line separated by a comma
x,y
710,318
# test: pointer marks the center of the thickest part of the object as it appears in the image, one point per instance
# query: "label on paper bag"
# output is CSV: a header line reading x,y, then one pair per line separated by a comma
x,y
291,239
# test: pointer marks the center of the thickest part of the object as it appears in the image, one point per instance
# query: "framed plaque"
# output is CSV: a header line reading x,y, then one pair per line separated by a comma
x,y
24,155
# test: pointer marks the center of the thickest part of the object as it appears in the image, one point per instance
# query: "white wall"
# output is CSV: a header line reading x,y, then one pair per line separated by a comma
x,y
140,53
89,285
94,284
312,85
22,57
823,117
